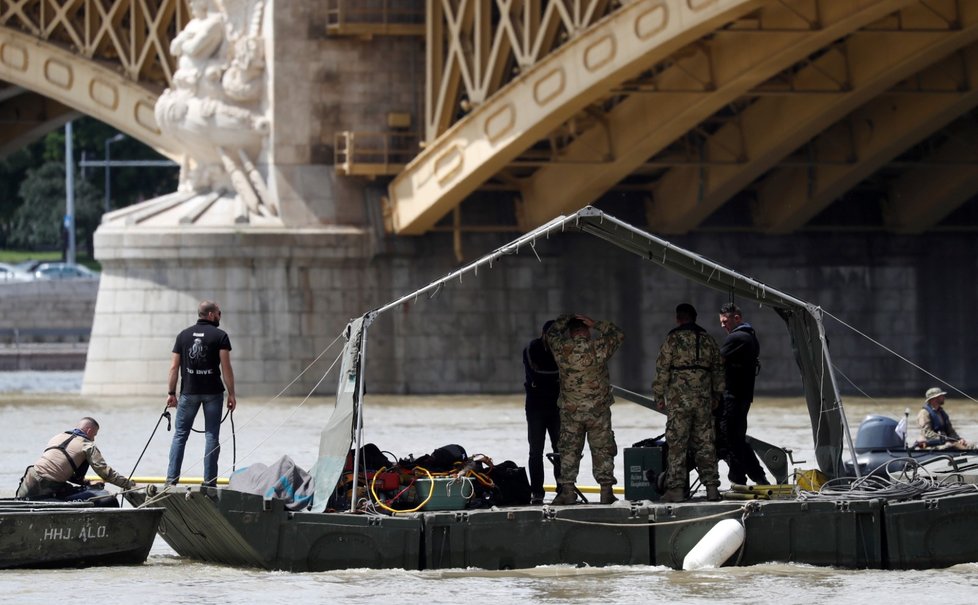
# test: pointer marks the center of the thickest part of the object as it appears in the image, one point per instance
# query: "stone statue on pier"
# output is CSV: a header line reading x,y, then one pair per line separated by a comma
x,y
217,105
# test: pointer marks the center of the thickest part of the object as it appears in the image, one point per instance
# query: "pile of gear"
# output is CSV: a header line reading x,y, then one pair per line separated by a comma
x,y
387,484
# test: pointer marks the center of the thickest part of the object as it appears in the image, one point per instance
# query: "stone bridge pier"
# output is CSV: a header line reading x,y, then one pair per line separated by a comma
x,y
261,223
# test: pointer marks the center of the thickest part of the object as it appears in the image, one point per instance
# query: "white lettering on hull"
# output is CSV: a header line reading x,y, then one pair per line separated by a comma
x,y
84,533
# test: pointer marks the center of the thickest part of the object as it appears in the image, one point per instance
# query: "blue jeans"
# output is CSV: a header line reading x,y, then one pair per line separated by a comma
x,y
187,408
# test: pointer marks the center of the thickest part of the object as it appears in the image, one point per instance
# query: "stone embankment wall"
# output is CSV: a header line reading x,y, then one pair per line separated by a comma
x,y
45,325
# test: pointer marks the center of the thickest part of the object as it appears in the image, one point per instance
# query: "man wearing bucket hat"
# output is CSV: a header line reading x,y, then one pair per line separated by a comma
x,y
936,431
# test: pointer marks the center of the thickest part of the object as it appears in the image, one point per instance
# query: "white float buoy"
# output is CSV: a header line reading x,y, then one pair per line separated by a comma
x,y
716,546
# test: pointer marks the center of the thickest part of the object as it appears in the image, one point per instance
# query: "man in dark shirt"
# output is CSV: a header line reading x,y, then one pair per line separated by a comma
x,y
201,357
739,351
542,385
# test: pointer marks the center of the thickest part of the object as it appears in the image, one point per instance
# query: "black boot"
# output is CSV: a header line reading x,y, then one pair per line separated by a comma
x,y
567,495
608,495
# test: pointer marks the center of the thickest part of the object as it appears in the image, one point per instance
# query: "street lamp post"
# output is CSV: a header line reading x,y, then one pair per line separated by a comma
x,y
108,167
69,223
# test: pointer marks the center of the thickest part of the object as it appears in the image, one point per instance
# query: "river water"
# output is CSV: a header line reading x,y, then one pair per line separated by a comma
x,y
34,406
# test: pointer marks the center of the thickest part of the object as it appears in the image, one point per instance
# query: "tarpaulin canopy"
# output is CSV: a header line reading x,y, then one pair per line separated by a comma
x,y
803,319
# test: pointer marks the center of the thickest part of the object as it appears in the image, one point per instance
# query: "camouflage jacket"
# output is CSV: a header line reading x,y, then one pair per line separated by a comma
x,y
689,361
583,363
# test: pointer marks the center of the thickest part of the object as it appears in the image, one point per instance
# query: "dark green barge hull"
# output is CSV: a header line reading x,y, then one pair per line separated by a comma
x,y
41,535
224,526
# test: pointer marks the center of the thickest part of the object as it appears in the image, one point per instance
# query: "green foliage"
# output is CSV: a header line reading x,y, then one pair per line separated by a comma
x,y
39,222
27,172
13,171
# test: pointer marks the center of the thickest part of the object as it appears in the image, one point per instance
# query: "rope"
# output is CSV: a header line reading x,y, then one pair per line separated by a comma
x,y
657,523
914,481
167,488
901,357
431,492
165,414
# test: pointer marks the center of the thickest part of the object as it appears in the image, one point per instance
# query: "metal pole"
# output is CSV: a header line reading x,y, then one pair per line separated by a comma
x,y
358,430
107,181
70,195
835,391
108,168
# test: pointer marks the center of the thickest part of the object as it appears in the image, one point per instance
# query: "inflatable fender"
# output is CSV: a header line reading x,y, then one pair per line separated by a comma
x,y
716,546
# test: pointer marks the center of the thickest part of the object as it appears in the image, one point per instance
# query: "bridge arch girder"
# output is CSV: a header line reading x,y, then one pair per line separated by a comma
x,y
755,92
730,64
943,179
27,116
546,94
865,141
82,84
843,79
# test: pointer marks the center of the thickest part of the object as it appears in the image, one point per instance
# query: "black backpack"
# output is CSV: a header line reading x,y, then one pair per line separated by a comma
x,y
512,486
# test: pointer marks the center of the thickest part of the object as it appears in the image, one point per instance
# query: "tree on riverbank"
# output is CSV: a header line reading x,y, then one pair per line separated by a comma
x,y
32,186
38,223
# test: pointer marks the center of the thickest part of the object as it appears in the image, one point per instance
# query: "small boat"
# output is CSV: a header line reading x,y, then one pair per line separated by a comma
x,y
881,451
74,534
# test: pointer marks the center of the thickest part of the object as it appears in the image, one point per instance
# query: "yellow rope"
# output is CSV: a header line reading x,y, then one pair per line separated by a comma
x,y
373,492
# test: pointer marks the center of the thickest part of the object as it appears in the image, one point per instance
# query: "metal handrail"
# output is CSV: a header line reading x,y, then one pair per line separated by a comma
x,y
374,153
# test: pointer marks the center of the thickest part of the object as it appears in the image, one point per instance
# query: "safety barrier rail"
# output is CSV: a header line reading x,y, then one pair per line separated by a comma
x,y
375,17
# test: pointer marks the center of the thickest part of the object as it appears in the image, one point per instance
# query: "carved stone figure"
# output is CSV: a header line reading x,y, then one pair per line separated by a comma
x,y
217,103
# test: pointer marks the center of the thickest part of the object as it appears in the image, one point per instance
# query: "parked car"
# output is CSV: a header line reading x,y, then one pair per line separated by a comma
x,y
28,267
11,273
64,271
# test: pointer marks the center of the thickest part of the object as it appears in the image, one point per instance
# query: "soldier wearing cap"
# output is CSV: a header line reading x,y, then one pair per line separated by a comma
x,y
936,431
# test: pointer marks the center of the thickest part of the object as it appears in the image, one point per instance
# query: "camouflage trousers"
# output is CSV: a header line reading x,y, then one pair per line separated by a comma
x,y
689,424
595,424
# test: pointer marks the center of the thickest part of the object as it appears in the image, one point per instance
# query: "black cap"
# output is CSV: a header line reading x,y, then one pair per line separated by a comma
x,y
686,311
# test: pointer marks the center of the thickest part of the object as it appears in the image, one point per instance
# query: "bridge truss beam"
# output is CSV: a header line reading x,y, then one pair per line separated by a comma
x,y
865,141
110,60
544,95
845,77
700,81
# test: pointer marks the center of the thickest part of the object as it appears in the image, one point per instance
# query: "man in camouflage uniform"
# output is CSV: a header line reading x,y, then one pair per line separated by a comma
x,y
585,400
688,382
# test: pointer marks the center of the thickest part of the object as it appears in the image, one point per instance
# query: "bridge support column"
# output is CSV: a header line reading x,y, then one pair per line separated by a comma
x,y
283,303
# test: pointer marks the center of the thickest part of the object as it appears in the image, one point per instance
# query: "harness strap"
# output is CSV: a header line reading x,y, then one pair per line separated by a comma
x,y
64,450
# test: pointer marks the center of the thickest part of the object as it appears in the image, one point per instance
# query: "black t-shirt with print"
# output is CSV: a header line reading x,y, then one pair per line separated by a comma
x,y
199,347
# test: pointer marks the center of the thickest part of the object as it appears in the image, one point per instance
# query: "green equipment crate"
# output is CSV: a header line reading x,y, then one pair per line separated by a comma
x,y
449,493
643,465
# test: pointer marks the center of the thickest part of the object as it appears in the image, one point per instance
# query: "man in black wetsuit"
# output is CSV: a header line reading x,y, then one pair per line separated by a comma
x,y
542,385
740,351
201,358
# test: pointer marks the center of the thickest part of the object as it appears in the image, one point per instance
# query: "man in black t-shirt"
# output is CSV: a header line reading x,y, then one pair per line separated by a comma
x,y
201,357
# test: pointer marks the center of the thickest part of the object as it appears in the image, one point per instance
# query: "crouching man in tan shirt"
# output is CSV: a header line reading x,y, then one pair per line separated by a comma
x,y
60,471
